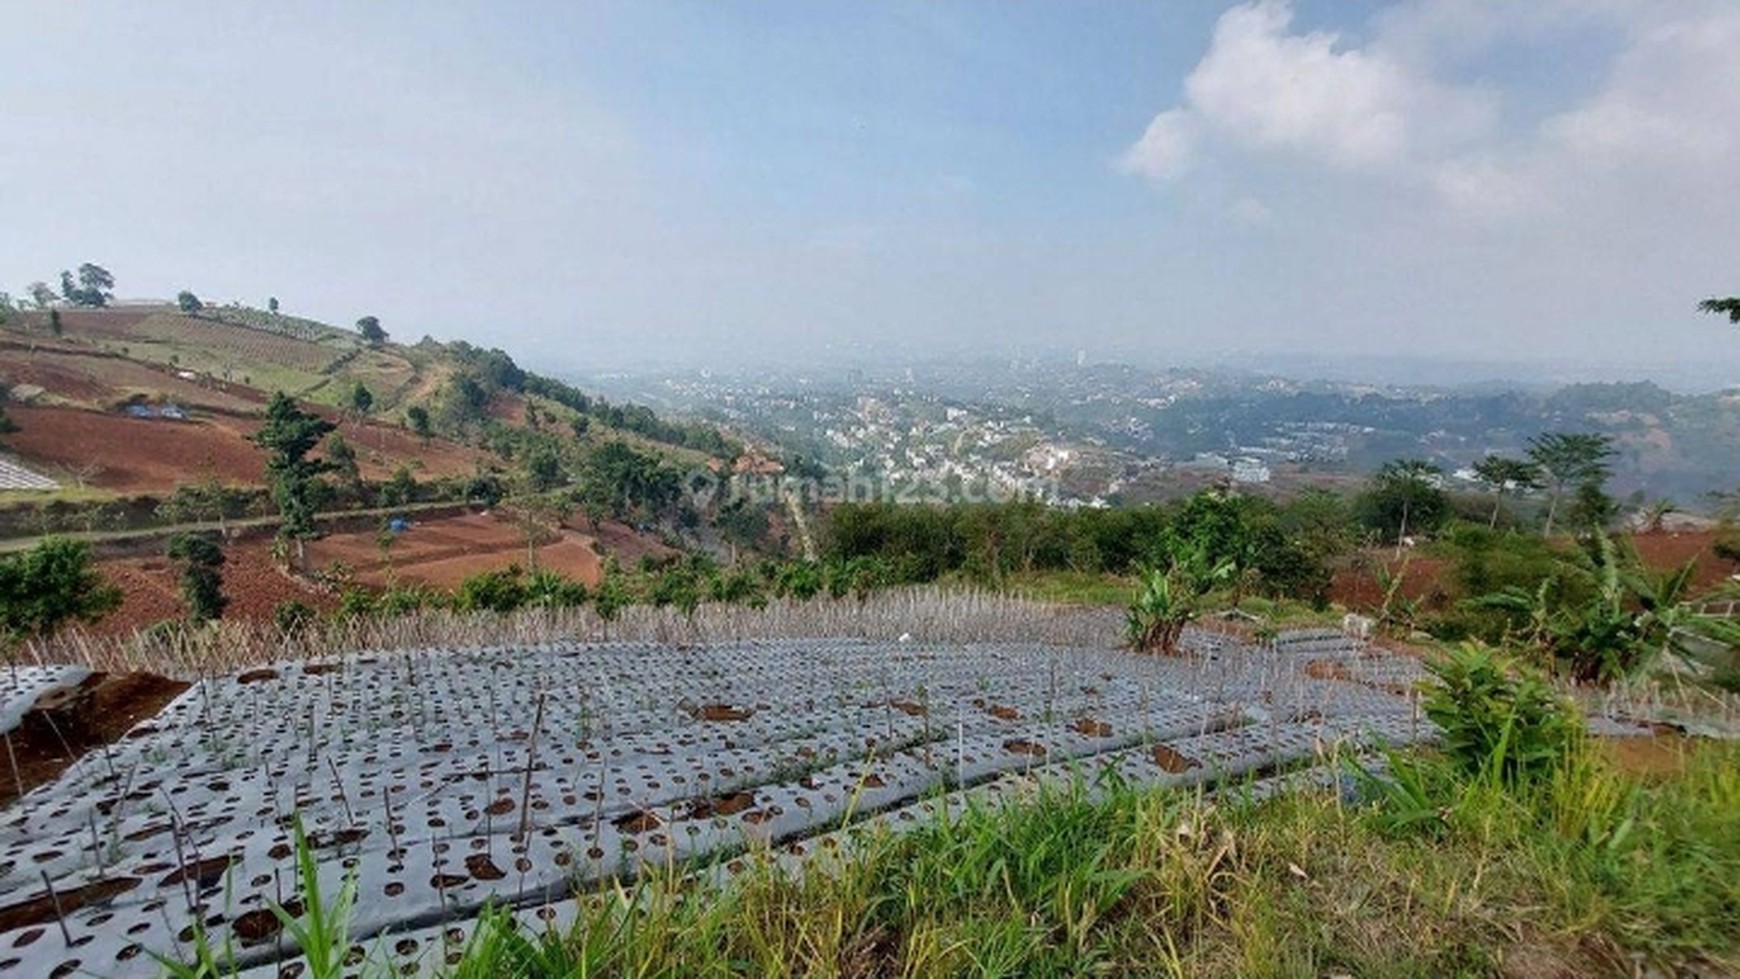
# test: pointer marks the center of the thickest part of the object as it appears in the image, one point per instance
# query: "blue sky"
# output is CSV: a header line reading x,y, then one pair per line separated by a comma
x,y
590,185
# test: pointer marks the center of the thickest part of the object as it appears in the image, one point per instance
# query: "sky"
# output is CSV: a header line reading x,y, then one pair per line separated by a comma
x,y
596,185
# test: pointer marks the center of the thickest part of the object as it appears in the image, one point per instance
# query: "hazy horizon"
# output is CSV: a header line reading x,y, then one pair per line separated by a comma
x,y
1541,191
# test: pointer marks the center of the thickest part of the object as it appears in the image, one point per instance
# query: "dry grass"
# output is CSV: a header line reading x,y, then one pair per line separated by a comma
x,y
925,614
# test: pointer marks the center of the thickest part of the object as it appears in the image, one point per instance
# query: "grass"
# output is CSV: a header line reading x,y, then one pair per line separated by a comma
x,y
1072,588
928,614
1573,874
1586,872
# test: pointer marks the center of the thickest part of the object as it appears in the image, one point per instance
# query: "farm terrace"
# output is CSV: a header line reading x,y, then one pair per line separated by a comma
x,y
445,779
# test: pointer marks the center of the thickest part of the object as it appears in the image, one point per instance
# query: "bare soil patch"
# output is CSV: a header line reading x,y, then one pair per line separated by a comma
x,y
134,455
100,711
442,553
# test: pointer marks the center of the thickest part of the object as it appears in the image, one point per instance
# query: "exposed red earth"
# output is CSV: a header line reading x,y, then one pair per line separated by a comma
x,y
1426,579
134,455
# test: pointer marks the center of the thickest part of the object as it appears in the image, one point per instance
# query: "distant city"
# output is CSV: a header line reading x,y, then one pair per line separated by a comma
x,y
1100,434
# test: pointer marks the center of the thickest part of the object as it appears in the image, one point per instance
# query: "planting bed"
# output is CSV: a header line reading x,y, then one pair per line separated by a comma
x,y
442,780
21,686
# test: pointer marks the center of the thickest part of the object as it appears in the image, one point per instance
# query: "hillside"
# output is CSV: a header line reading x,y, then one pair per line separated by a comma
x,y
143,417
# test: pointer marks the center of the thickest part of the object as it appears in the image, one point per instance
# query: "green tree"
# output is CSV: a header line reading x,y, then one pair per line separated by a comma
x,y
401,489
1499,474
1568,459
1405,498
40,294
288,435
417,417
543,470
344,466
48,586
370,328
201,559
361,399
272,305
93,287
1728,306
188,302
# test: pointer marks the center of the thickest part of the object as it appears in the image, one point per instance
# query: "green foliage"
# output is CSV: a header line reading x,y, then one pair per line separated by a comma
x,y
1404,499
612,595
801,580
188,303
48,586
1603,616
1501,474
93,288
417,417
618,481
547,589
1498,721
1269,549
399,490
292,617
738,586
369,328
502,590
320,926
1728,306
1570,459
360,399
342,458
1167,599
679,586
200,558
288,435
543,470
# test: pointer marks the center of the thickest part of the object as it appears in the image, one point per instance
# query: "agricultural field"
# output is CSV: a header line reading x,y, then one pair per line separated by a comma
x,y
132,455
106,354
436,781
80,378
443,552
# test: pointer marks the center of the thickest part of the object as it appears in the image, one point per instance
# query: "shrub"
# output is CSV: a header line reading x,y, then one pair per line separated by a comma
x,y
398,601
200,558
501,590
356,603
547,589
1498,720
291,617
1168,600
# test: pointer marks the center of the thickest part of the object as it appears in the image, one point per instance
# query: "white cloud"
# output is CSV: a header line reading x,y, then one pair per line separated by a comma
x,y
1165,148
1666,110
1673,99
1261,88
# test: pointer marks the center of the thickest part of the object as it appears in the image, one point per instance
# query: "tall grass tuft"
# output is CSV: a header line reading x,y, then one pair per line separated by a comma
x,y
930,614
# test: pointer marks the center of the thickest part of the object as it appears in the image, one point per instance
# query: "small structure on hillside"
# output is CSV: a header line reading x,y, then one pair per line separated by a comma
x,y
170,412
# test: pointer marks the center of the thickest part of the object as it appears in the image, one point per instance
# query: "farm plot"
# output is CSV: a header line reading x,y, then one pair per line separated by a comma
x,y
20,687
238,345
15,477
440,780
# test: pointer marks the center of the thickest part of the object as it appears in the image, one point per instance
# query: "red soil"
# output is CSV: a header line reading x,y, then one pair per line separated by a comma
x,y
138,455
442,553
1428,579
254,585
103,708
135,455
97,380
